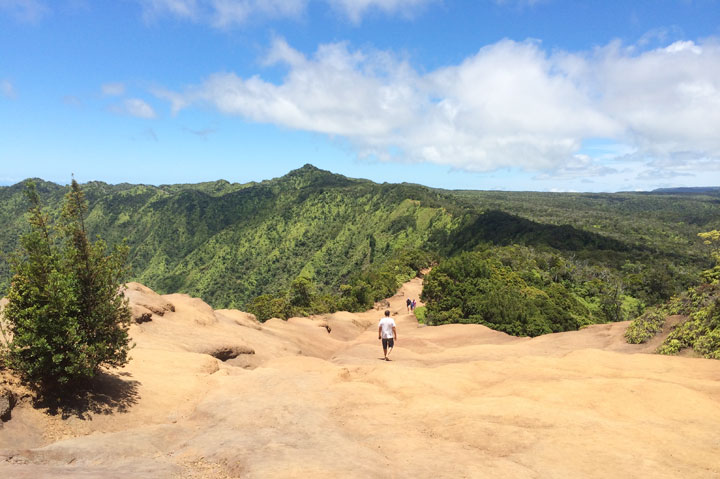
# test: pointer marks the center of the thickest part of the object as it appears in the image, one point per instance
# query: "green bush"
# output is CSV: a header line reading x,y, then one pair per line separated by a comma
x,y
512,289
700,332
66,312
421,314
645,327
268,306
376,282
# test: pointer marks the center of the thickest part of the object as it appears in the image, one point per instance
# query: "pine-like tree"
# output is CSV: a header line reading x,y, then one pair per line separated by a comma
x,y
66,310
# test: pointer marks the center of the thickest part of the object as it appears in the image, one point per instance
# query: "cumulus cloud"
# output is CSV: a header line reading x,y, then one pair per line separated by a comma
x,y
7,89
668,99
225,13
511,104
24,10
135,107
508,105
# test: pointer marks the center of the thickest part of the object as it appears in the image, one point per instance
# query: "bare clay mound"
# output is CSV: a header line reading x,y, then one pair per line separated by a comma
x,y
215,394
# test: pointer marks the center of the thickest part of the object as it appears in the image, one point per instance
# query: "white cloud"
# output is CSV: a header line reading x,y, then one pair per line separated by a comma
x,y
579,166
179,8
229,12
356,9
509,105
667,99
113,89
25,10
7,89
137,107
226,13
683,46
177,101
337,92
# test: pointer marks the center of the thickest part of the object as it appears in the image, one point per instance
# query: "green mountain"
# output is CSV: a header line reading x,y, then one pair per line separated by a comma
x,y
693,190
229,243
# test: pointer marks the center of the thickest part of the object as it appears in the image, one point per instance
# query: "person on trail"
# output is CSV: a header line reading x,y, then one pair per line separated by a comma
x,y
387,332
408,303
412,306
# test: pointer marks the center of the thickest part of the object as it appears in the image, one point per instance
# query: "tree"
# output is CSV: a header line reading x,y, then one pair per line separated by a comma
x,y
301,292
712,238
267,306
66,311
610,296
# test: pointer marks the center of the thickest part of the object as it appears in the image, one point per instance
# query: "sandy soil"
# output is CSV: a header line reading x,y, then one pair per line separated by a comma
x,y
311,397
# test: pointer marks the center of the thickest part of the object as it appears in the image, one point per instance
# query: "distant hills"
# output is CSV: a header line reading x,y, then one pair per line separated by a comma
x,y
695,190
229,242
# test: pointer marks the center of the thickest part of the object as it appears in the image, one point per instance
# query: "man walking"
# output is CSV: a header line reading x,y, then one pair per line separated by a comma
x,y
388,333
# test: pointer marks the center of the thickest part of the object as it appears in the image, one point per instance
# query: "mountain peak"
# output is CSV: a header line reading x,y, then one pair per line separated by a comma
x,y
309,175
306,168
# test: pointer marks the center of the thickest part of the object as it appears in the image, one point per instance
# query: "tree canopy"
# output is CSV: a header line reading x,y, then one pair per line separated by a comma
x,y
66,313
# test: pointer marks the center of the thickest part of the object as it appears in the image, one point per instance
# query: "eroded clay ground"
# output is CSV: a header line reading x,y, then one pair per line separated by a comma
x,y
456,401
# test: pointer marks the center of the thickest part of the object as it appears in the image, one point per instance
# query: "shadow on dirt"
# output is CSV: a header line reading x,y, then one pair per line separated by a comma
x,y
105,394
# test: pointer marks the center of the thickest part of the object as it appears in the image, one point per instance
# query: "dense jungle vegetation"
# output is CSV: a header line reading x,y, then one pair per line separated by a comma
x,y
698,307
313,241
524,292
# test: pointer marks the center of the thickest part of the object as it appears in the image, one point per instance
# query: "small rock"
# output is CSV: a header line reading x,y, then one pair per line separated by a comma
x,y
6,404
140,314
225,352
324,324
140,295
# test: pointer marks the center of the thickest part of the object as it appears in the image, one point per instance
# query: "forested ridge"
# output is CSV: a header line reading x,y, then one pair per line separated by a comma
x,y
314,241
229,243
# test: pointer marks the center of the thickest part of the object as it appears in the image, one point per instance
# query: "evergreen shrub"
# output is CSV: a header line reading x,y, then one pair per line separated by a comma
x,y
66,313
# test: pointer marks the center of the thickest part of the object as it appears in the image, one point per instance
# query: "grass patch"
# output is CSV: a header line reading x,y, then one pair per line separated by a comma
x,y
420,314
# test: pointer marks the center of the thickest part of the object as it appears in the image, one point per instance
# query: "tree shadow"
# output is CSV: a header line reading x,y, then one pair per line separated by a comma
x,y
105,394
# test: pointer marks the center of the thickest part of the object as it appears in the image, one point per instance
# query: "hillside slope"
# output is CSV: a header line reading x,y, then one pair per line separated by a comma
x,y
228,243
310,397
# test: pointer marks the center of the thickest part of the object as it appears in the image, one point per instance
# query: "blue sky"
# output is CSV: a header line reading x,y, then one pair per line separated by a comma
x,y
542,95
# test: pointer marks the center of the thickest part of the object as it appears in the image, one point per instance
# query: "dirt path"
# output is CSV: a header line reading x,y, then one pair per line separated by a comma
x,y
458,401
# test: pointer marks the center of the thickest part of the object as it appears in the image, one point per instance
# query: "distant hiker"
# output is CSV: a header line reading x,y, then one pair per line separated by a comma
x,y
412,306
408,303
388,334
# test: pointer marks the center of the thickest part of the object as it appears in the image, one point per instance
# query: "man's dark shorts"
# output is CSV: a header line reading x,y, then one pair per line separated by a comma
x,y
388,342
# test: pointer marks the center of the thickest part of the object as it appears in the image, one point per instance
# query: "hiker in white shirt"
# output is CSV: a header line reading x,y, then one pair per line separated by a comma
x,y
388,334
